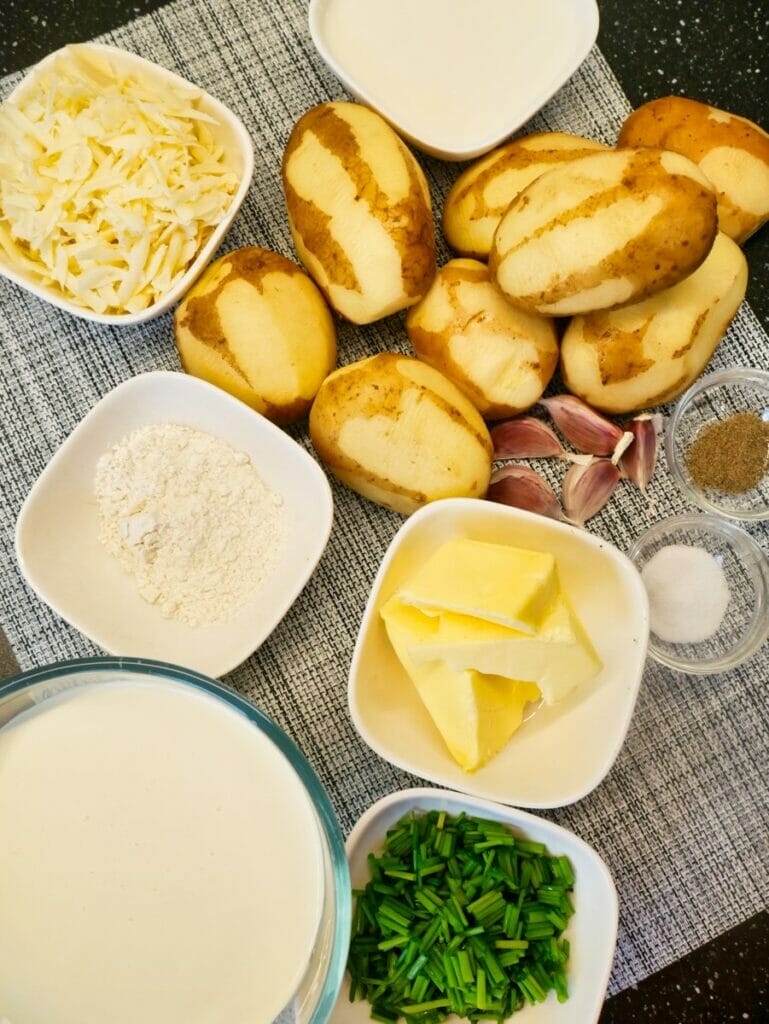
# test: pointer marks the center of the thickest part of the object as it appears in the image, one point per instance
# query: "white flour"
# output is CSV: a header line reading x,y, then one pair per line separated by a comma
x,y
190,518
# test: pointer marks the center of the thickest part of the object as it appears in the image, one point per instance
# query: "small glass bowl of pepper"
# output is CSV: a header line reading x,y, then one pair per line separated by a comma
x,y
717,443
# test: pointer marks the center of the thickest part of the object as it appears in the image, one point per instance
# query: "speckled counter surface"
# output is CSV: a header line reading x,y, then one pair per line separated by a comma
x,y
724,982
711,50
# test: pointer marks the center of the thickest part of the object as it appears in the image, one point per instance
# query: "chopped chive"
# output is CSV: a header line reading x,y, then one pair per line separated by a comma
x,y
396,940
480,989
434,1004
459,916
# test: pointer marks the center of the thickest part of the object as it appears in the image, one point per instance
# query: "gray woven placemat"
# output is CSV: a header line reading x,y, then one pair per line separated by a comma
x,y
682,819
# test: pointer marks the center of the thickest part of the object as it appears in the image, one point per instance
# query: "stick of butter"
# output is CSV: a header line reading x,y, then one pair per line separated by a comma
x,y
482,629
494,582
475,713
559,657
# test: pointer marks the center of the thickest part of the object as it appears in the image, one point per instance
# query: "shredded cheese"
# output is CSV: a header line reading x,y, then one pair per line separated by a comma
x,y
110,183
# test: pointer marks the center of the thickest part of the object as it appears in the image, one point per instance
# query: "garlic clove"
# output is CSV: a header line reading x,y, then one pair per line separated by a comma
x,y
528,438
586,489
583,427
638,462
525,438
524,488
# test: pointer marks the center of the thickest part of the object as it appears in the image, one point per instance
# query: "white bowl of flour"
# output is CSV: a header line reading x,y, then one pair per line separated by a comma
x,y
175,523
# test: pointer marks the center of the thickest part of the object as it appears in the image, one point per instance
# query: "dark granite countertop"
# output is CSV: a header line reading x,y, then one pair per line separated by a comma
x,y
710,50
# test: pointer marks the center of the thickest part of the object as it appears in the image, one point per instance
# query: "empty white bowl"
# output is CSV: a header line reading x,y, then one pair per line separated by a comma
x,y
229,132
592,930
562,752
454,78
64,562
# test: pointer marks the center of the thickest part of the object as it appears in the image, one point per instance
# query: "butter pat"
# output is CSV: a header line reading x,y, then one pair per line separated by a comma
x,y
559,658
496,583
476,713
482,629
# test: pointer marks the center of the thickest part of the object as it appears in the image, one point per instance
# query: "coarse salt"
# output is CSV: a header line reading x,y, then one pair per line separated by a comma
x,y
688,594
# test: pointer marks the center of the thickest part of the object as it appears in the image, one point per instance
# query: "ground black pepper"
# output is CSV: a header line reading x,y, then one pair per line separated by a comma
x,y
730,456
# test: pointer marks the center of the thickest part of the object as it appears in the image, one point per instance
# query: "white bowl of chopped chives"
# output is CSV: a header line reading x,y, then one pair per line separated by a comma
x,y
479,908
105,214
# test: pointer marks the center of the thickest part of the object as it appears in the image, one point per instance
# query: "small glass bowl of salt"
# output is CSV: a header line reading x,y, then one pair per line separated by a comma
x,y
708,586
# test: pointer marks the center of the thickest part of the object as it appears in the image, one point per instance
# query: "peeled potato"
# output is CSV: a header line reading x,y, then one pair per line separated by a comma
x,y
399,433
501,357
482,193
359,211
604,231
732,151
646,354
255,325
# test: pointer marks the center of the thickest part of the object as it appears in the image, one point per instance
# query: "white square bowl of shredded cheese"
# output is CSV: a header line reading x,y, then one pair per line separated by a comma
x,y
120,180
175,523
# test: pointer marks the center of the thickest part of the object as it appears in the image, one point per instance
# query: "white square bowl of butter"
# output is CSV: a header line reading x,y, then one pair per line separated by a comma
x,y
273,550
566,747
106,246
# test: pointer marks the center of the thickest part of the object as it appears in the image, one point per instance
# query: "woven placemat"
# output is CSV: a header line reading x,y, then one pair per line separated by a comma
x,y
682,819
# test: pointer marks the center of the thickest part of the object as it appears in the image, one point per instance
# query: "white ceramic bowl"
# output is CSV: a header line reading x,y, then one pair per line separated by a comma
x,y
592,931
65,564
454,78
562,752
231,135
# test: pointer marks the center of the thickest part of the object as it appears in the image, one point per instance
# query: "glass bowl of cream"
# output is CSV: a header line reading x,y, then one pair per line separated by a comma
x,y
169,854
707,581
717,443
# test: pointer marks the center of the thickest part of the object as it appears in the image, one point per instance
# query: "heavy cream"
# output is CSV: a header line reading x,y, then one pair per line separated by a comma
x,y
453,75
160,862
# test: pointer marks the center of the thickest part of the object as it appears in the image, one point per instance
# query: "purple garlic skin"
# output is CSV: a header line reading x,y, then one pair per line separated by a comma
x,y
521,487
639,460
586,489
582,426
525,438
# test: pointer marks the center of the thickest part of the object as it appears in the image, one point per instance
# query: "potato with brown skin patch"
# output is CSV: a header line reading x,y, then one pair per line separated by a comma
x,y
732,151
499,356
400,433
359,211
649,353
481,194
255,325
604,231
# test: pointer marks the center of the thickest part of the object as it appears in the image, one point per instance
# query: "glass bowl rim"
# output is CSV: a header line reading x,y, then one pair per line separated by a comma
x,y
758,565
739,375
330,828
